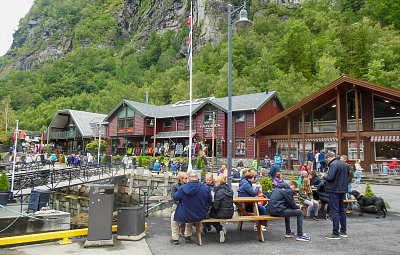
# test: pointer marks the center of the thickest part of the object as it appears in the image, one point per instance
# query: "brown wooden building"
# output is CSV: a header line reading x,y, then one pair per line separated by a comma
x,y
132,125
349,116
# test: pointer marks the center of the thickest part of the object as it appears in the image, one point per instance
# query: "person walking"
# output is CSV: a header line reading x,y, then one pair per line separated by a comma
x,y
336,186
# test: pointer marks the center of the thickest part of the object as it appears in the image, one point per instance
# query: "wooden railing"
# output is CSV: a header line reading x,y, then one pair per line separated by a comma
x,y
63,134
390,123
324,126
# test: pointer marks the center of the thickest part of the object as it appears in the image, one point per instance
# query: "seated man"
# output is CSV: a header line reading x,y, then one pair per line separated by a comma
x,y
282,204
193,199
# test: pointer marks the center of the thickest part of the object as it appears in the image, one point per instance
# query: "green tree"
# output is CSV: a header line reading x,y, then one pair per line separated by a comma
x,y
94,145
368,191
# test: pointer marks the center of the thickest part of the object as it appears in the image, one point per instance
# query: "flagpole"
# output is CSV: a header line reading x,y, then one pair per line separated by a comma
x,y
190,84
16,132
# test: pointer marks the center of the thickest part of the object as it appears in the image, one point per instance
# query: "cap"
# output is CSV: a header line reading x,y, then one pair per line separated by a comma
x,y
192,173
330,155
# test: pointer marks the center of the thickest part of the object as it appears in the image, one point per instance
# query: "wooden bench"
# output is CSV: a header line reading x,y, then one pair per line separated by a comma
x,y
259,220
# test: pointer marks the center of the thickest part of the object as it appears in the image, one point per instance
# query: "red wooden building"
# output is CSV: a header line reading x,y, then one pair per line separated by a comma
x,y
349,116
133,125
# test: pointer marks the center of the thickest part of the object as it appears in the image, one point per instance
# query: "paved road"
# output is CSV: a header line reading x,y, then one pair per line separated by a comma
x,y
367,235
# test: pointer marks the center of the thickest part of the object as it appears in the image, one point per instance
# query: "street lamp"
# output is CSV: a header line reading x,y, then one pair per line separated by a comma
x,y
154,125
99,125
243,23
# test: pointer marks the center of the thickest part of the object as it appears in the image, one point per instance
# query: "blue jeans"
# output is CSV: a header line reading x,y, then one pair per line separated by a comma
x,y
261,209
349,195
338,212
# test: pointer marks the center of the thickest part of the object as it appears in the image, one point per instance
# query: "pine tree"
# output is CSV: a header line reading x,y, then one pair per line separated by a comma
x,y
368,191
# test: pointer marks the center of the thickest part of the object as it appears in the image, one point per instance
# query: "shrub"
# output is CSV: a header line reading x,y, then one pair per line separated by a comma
x,y
368,191
198,162
4,182
266,183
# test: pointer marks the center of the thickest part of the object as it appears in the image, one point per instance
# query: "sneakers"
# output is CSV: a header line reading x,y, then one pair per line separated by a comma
x,y
263,228
221,236
327,217
308,218
290,235
315,218
332,236
224,229
303,238
343,234
174,242
188,239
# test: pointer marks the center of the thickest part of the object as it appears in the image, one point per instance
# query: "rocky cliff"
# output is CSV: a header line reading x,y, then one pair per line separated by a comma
x,y
45,36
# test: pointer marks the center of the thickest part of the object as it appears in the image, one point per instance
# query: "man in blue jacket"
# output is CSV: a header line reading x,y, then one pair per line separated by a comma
x,y
282,204
193,200
336,186
274,169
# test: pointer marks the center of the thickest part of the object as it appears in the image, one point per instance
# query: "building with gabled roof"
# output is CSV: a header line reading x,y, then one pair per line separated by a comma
x,y
133,125
71,130
348,116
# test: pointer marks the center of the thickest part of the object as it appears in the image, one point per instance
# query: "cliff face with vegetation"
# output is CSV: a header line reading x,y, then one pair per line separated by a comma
x,y
89,54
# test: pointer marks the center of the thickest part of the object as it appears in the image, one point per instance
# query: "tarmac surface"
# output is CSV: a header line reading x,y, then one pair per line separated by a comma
x,y
367,235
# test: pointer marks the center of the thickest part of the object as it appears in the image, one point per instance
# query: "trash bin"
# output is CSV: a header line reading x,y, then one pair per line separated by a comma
x,y
101,202
131,223
38,199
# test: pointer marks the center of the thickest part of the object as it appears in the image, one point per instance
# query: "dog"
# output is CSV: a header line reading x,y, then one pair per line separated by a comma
x,y
378,202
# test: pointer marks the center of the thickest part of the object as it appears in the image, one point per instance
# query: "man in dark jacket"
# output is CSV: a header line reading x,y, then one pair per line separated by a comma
x,y
193,199
282,204
336,186
274,169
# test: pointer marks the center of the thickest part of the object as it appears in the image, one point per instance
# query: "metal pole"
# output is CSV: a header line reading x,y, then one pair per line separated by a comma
x,y
154,137
16,134
190,87
213,140
229,131
98,149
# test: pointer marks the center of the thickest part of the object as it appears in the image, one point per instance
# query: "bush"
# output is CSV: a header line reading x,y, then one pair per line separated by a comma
x,y
63,159
4,182
198,162
368,191
140,161
266,183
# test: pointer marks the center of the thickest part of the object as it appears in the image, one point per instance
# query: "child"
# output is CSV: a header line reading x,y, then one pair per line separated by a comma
x,y
307,198
358,173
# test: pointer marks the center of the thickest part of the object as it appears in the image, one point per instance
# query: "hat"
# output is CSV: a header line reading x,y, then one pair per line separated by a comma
x,y
394,158
192,173
330,155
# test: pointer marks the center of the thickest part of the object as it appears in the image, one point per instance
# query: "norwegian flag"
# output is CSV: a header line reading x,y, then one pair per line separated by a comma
x,y
190,42
15,136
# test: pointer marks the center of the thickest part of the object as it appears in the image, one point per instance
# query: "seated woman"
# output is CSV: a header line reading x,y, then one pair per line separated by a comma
x,y
222,207
324,198
246,190
278,179
303,174
306,197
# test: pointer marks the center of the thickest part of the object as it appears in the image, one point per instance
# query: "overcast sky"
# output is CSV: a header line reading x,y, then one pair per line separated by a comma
x,y
11,11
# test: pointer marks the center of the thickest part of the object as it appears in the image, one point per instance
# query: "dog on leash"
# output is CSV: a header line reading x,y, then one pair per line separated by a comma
x,y
363,201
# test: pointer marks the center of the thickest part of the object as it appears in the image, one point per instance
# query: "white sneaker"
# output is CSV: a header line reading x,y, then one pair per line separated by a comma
x,y
221,236
224,229
263,228
255,227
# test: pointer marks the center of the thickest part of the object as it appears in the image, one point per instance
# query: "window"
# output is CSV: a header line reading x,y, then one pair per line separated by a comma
x,y
387,150
282,149
325,118
208,116
240,146
353,150
126,118
351,111
150,122
386,114
187,121
167,123
240,117
307,124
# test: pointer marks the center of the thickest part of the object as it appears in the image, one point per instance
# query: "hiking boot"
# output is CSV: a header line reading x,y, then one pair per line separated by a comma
x,y
303,238
221,236
290,235
188,239
332,236
343,234
174,242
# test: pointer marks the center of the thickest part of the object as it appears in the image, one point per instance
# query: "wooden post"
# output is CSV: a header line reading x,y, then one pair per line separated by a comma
x,y
258,146
357,124
339,122
289,144
303,136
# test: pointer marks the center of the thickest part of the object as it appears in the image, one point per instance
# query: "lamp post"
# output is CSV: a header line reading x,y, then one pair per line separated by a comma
x,y
212,141
99,125
154,125
242,23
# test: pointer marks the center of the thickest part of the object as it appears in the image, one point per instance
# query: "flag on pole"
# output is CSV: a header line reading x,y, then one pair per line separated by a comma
x,y
189,42
15,136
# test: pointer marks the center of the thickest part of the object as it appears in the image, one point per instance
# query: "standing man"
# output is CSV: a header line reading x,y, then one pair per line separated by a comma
x,y
274,169
336,186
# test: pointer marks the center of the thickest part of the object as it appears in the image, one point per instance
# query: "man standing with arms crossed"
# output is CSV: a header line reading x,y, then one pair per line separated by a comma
x,y
336,186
